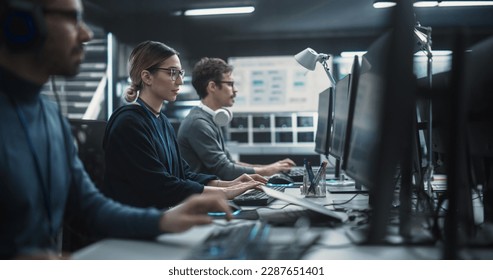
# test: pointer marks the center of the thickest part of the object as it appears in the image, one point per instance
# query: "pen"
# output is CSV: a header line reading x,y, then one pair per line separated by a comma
x,y
318,177
309,170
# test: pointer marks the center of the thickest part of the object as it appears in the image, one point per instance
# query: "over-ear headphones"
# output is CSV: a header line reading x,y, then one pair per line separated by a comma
x,y
22,25
221,116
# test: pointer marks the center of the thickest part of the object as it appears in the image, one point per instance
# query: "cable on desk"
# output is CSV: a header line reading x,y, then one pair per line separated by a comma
x,y
272,208
342,203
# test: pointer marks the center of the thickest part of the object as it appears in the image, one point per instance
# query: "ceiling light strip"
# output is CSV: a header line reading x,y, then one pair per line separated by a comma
x,y
464,3
428,4
220,11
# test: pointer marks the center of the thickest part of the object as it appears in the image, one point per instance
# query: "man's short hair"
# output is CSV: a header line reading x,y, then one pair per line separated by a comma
x,y
206,70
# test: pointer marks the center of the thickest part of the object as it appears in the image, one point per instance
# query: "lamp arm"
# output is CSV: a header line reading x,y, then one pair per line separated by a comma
x,y
327,70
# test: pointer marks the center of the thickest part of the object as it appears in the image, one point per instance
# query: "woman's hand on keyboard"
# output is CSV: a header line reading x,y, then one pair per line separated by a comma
x,y
244,178
234,191
193,211
248,178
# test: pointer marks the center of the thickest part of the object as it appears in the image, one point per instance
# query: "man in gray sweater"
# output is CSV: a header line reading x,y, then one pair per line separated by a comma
x,y
200,136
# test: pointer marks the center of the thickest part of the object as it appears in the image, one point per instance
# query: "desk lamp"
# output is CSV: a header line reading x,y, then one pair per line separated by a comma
x,y
308,58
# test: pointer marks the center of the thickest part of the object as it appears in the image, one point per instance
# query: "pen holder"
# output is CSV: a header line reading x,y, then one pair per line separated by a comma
x,y
317,189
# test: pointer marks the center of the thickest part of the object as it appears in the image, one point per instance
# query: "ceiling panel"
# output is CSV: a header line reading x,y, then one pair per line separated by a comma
x,y
338,23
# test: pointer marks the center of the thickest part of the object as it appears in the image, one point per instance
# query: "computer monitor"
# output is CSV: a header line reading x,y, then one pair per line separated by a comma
x,y
467,119
324,122
341,124
380,129
478,87
340,115
353,87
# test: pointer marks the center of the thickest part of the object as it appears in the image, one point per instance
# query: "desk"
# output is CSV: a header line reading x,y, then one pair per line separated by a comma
x,y
333,245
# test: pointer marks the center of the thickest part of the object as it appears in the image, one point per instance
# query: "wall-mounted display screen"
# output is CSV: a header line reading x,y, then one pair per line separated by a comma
x,y
276,84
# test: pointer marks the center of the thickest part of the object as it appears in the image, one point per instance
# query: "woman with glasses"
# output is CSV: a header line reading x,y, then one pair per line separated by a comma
x,y
143,166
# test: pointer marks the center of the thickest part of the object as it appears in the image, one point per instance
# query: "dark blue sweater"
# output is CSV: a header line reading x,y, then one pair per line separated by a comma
x,y
143,166
33,196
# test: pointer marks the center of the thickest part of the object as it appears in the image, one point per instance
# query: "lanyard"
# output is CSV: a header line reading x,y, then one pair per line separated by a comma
x,y
45,184
164,143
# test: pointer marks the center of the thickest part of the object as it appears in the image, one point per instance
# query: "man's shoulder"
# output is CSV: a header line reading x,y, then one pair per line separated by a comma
x,y
197,120
196,117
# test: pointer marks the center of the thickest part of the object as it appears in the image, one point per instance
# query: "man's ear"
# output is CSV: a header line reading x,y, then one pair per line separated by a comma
x,y
211,86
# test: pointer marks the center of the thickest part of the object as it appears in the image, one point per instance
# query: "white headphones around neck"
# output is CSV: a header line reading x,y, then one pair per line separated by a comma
x,y
221,116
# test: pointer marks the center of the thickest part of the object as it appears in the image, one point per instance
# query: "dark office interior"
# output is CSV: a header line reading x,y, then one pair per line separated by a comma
x,y
412,166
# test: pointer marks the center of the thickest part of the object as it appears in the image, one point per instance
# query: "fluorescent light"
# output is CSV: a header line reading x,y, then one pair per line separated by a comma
x,y
464,3
220,11
383,4
430,4
352,54
425,4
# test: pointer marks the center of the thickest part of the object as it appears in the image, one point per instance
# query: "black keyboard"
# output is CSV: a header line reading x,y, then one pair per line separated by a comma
x,y
250,241
296,174
288,217
256,197
240,241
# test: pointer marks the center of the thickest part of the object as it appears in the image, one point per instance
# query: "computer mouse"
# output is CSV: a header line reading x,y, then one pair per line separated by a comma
x,y
280,179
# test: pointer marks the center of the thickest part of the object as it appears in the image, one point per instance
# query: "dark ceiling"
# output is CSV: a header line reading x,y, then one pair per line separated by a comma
x,y
276,27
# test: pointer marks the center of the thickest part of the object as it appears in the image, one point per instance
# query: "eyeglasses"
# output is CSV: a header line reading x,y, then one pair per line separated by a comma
x,y
173,72
75,15
229,83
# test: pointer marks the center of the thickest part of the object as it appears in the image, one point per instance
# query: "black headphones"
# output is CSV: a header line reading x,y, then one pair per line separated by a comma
x,y
22,25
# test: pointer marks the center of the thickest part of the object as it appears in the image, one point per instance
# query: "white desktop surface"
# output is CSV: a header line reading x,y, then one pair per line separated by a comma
x,y
171,246
334,244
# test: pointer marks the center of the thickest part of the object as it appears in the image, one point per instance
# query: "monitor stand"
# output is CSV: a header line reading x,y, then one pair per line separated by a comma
x,y
344,185
341,184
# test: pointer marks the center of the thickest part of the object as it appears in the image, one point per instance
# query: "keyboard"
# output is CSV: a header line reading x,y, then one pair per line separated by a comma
x,y
239,241
251,241
288,217
256,197
296,174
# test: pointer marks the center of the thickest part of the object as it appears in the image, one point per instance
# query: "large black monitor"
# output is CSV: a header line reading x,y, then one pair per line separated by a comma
x,y
467,135
478,87
324,122
340,115
380,132
340,119
365,134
